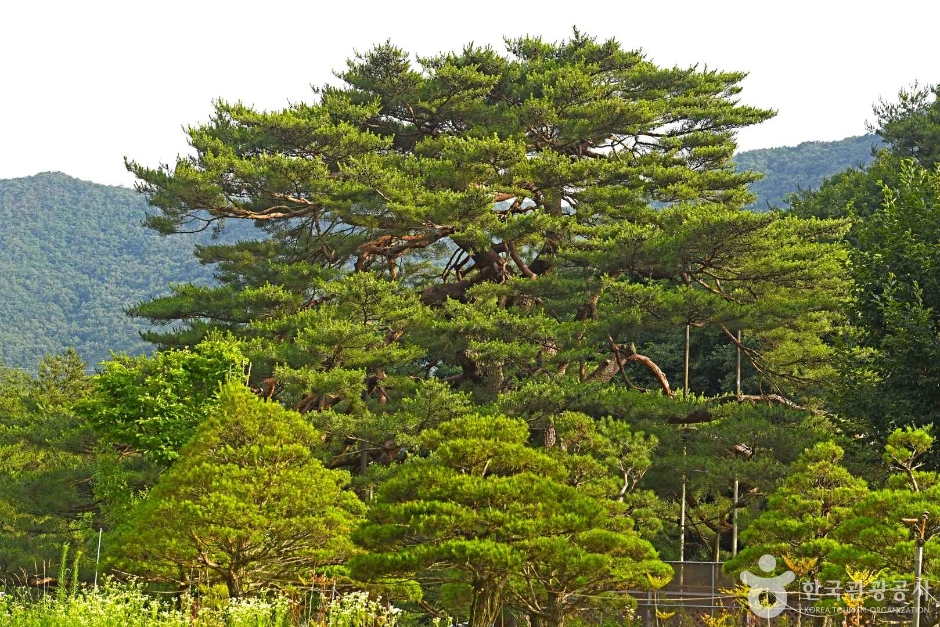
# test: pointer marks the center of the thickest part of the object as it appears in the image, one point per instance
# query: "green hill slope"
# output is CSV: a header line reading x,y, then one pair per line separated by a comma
x,y
73,255
791,168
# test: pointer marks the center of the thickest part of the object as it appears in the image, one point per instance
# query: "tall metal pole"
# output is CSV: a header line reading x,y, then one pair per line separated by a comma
x,y
685,385
918,568
682,525
920,533
734,521
734,512
98,556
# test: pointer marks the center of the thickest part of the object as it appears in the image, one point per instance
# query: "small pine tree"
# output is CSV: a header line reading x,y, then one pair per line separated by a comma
x,y
877,537
493,521
247,503
803,515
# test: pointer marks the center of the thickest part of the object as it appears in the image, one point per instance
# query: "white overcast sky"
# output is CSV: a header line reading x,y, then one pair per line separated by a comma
x,y
84,83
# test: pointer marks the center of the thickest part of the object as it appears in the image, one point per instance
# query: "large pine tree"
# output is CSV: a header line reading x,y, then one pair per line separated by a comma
x,y
527,215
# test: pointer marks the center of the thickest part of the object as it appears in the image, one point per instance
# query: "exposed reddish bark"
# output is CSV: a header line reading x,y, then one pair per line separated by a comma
x,y
609,368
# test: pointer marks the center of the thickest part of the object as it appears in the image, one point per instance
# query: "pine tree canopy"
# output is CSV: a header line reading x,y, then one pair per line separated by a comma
x,y
489,518
248,504
553,213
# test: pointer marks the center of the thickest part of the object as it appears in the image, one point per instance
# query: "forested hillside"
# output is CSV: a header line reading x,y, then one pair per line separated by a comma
x,y
74,255
791,168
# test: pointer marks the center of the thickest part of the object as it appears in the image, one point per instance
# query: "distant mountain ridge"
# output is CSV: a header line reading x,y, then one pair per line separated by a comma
x,y
74,254
788,169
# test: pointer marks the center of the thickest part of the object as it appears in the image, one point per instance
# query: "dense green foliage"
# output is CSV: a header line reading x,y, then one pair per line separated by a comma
x,y
879,535
75,255
46,456
59,300
888,376
489,519
153,404
789,169
248,501
827,525
453,369
803,517
892,378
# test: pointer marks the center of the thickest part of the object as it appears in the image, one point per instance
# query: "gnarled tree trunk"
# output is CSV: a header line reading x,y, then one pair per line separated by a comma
x,y
487,604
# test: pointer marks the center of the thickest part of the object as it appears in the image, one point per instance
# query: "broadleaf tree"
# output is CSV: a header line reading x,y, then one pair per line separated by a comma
x,y
890,380
152,405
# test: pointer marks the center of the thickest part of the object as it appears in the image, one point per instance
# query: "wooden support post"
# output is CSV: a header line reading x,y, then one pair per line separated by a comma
x,y
734,522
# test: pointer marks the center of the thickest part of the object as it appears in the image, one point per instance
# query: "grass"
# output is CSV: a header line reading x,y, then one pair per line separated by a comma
x,y
113,605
